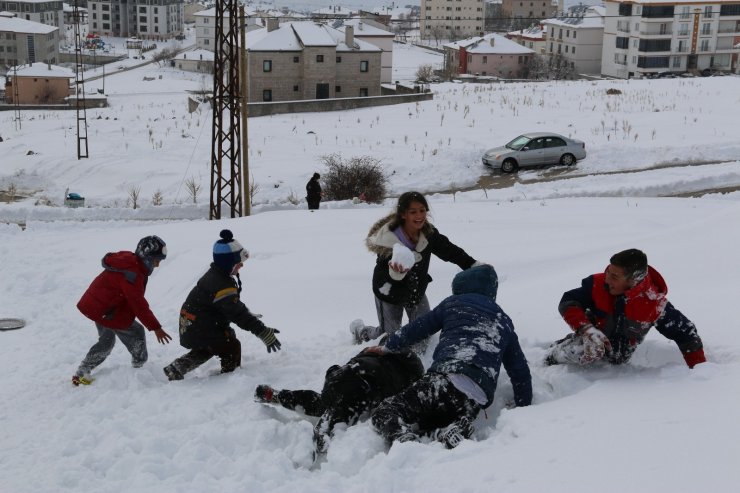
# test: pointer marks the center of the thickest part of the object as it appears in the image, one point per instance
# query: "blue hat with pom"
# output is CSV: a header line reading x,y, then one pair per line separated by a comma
x,y
481,279
227,252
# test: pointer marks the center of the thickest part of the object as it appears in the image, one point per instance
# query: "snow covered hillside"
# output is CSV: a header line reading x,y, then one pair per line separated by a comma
x,y
651,425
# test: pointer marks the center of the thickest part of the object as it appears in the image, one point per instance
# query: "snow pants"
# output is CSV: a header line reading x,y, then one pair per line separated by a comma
x,y
430,403
229,351
133,338
390,316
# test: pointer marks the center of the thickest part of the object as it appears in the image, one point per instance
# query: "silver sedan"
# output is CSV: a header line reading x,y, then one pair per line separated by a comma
x,y
535,149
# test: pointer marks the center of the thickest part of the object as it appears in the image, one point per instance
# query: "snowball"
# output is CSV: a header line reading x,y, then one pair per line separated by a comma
x,y
403,256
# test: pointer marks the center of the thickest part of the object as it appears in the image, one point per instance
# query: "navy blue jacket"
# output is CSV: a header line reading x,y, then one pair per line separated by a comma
x,y
476,337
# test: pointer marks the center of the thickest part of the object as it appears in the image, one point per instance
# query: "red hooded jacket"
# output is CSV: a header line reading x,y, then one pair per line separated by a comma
x,y
116,297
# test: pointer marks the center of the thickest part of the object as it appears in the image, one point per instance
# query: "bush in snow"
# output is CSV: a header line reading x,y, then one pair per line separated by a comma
x,y
360,176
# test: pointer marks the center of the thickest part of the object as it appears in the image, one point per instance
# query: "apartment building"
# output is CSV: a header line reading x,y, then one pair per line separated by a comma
x,y
530,10
49,12
451,19
533,37
146,19
26,42
38,83
645,37
578,38
205,26
306,60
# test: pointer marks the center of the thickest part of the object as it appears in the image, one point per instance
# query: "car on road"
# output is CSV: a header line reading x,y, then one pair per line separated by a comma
x,y
535,149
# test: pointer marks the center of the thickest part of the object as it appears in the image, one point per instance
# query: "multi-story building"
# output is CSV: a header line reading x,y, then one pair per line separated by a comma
x,y
147,19
445,19
577,37
491,54
528,11
49,12
306,60
533,37
205,27
644,37
25,42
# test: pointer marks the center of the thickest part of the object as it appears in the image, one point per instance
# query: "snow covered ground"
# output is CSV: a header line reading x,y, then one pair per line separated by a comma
x,y
651,425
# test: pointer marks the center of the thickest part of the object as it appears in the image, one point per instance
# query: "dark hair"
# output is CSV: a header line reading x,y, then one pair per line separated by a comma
x,y
633,261
404,204
316,176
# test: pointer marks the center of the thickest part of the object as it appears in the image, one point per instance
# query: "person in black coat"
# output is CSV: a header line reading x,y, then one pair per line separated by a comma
x,y
210,308
397,288
350,390
313,192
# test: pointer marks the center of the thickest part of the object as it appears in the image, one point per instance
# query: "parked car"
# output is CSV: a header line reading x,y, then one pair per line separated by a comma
x,y
535,149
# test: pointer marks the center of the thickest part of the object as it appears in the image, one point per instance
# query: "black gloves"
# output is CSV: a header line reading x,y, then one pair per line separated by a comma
x,y
268,337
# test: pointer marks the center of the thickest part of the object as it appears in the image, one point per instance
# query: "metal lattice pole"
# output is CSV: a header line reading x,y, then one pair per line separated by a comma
x,y
80,102
226,142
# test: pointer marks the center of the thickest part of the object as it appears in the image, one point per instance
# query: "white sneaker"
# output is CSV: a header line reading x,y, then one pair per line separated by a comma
x,y
358,331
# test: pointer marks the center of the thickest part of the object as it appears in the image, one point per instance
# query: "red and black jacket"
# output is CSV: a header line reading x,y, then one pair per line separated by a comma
x,y
116,297
626,319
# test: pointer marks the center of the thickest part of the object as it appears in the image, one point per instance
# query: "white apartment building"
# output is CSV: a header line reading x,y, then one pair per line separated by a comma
x,y
205,27
451,19
577,37
643,37
25,42
147,19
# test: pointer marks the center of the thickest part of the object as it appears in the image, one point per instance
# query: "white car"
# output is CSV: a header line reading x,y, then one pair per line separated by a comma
x,y
535,149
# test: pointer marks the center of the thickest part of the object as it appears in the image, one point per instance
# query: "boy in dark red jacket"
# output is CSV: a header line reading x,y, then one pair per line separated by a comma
x,y
114,301
611,313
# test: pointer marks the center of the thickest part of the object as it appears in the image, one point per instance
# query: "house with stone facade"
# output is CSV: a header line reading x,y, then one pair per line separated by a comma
x,y
376,34
489,55
307,60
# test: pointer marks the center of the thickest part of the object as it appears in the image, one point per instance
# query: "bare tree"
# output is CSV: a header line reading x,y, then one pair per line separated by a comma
x,y
133,196
193,188
424,73
162,56
157,198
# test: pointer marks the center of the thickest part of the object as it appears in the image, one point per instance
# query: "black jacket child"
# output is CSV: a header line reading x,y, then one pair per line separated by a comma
x,y
350,390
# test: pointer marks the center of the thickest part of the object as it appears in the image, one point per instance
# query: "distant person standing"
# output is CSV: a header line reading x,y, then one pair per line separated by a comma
x,y
313,192
114,301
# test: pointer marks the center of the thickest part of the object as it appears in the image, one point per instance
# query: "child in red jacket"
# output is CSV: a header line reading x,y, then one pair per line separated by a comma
x,y
114,301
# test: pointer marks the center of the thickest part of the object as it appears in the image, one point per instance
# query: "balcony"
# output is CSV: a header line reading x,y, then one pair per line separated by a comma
x,y
656,32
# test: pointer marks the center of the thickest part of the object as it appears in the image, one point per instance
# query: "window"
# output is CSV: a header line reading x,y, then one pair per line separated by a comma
x,y
267,65
142,18
706,29
622,42
319,58
574,34
267,95
708,11
554,142
339,59
676,62
337,89
296,59
485,59
683,29
573,50
295,88
704,45
363,66
566,48
363,92
142,10
536,144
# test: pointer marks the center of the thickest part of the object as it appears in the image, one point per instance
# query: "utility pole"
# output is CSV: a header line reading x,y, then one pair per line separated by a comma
x,y
16,103
244,78
226,141
80,102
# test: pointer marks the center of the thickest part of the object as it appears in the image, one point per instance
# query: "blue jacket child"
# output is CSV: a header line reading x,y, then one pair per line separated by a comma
x,y
476,338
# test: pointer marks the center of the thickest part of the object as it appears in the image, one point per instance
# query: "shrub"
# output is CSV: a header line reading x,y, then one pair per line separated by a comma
x,y
354,177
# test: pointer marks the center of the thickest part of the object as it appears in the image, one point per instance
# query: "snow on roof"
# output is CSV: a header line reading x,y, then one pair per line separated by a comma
x,y
293,36
532,32
40,69
16,25
68,8
482,45
589,18
337,10
364,29
672,2
197,54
